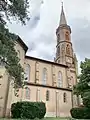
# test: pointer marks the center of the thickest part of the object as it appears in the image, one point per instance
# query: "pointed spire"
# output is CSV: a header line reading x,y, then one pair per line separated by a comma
x,y
62,17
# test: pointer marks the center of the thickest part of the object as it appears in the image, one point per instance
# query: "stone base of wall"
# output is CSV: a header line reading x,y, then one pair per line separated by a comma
x,y
50,114
53,114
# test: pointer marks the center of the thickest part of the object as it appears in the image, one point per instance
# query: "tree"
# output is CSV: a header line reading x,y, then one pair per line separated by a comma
x,y
83,86
12,9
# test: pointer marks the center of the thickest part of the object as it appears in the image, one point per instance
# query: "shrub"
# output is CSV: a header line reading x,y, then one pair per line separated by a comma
x,y
28,110
80,113
86,99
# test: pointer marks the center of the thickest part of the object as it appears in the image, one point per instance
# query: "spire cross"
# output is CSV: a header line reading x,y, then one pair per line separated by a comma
x,y
62,3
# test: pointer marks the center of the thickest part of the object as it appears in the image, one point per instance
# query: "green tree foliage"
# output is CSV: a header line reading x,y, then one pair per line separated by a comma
x,y
16,9
83,86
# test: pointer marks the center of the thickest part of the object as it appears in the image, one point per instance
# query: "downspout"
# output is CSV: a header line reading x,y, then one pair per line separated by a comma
x,y
56,104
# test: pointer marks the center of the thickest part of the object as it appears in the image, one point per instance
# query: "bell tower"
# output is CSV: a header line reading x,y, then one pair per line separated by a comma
x,y
64,51
65,54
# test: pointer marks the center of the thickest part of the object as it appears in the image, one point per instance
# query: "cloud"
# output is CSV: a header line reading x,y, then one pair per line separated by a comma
x,y
34,13
81,37
34,21
39,33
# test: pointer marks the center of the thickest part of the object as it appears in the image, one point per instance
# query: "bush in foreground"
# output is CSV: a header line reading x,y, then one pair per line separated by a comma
x,y
28,110
80,113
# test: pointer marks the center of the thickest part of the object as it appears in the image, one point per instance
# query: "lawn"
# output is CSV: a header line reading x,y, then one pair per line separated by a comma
x,y
48,118
58,118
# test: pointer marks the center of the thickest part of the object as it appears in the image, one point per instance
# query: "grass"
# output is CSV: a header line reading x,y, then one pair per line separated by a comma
x,y
58,118
47,118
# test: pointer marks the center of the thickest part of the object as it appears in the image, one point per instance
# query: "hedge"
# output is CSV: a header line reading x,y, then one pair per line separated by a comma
x,y
80,113
28,110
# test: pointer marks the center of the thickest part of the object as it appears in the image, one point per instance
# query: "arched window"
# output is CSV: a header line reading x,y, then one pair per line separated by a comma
x,y
59,79
58,37
63,49
64,97
47,95
67,36
27,93
27,72
68,49
44,76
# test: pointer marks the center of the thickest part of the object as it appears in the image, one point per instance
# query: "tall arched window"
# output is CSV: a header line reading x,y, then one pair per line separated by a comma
x,y
64,97
58,50
27,72
58,37
62,49
60,79
68,49
44,76
27,93
67,36
47,95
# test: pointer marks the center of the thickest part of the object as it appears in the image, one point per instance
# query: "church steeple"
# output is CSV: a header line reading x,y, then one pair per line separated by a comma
x,y
64,52
62,17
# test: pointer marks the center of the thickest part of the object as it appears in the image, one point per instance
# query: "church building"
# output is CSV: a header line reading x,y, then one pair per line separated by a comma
x,y
47,81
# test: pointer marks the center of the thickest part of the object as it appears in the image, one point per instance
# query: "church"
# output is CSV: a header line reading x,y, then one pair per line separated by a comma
x,y
47,81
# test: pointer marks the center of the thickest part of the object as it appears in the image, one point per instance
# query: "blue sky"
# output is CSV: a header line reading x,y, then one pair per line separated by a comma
x,y
40,32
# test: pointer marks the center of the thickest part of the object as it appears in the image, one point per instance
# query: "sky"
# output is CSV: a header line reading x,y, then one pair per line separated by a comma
x,y
39,34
